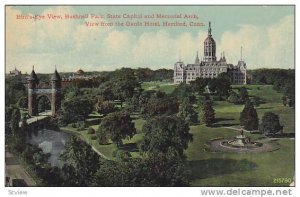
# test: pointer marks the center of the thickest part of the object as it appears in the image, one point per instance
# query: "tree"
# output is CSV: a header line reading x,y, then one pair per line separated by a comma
x,y
199,84
103,137
208,114
184,92
212,85
270,124
76,109
23,102
284,100
153,169
81,163
43,104
248,117
243,94
223,85
233,98
117,126
105,107
187,112
15,120
163,133
18,138
159,104
124,84
106,90
14,90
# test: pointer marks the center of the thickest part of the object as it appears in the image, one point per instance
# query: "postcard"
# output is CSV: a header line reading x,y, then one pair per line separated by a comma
x,y
150,95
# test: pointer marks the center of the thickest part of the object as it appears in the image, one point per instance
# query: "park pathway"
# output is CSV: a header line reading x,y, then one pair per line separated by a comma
x,y
93,147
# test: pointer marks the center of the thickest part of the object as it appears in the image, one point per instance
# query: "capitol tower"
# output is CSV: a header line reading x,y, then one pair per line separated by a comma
x,y
209,47
210,66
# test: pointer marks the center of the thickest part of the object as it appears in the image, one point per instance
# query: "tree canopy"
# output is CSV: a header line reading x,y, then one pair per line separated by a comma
x,y
163,133
270,124
248,117
117,126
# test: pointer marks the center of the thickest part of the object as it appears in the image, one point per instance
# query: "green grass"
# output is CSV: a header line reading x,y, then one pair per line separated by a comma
x,y
162,86
242,169
225,169
237,169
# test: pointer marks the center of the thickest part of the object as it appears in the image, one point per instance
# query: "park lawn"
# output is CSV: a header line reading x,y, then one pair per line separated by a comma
x,y
226,169
242,169
236,169
157,85
265,92
130,145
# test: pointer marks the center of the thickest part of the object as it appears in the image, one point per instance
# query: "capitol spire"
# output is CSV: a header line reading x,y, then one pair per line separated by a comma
x,y
209,29
197,61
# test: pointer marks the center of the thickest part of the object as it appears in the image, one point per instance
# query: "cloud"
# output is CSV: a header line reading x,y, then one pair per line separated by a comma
x,y
71,45
268,47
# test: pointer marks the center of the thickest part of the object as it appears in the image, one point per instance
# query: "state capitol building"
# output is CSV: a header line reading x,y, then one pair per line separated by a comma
x,y
209,67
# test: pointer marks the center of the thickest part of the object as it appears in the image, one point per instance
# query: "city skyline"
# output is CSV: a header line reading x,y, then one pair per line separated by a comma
x,y
70,45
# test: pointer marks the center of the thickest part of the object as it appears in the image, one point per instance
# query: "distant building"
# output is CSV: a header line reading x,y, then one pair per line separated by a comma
x,y
209,67
79,73
15,72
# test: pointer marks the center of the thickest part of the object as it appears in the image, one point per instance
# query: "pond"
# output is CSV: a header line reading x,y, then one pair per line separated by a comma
x,y
52,142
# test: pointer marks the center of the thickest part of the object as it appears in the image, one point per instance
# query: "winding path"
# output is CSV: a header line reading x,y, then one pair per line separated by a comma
x,y
93,147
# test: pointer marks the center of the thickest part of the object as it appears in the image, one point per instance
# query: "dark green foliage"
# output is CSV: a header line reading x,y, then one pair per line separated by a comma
x,y
14,89
102,137
187,112
159,104
163,133
146,74
220,85
124,84
284,100
199,84
81,163
152,170
233,98
271,76
91,131
208,114
23,102
243,94
248,117
281,79
106,90
117,126
94,137
15,118
256,101
105,107
43,104
76,109
270,124
184,92
121,155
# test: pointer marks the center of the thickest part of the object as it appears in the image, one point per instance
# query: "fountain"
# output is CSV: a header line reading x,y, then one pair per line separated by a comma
x,y
240,143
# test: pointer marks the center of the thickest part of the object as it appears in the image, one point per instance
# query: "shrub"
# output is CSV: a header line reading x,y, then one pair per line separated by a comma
x,y
102,138
91,131
121,155
93,137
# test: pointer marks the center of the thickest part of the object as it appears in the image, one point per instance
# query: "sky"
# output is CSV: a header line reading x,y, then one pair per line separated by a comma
x,y
266,34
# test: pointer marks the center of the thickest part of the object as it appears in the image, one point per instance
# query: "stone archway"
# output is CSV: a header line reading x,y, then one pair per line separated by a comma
x,y
44,102
52,92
